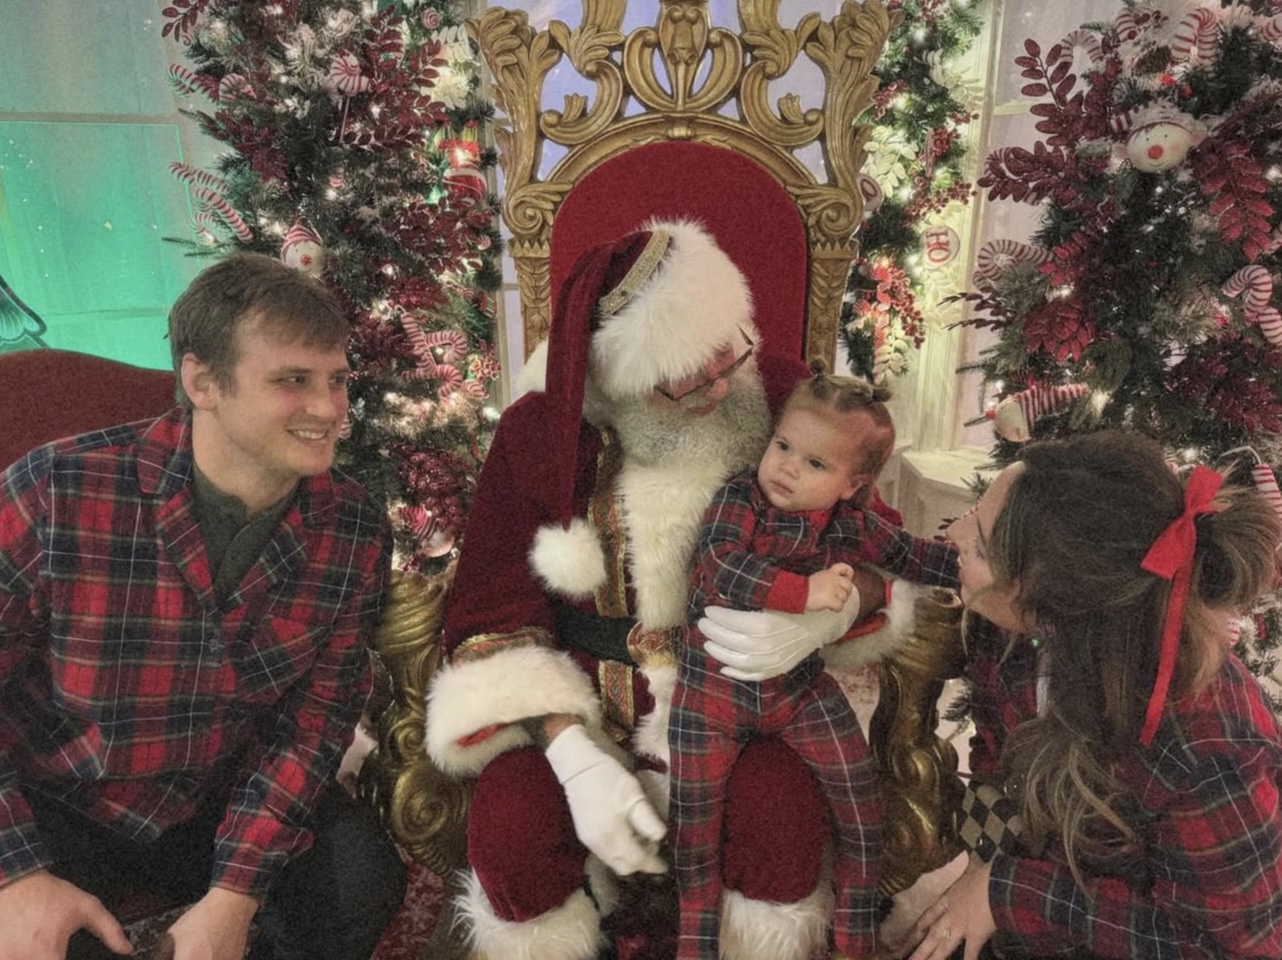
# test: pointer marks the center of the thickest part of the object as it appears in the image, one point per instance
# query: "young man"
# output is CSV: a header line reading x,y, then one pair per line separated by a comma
x,y
184,609
570,590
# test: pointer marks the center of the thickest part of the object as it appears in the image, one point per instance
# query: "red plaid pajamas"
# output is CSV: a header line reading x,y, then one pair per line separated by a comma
x,y
128,691
1206,801
743,547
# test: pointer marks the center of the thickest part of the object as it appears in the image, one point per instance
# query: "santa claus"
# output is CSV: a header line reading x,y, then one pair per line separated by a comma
x,y
570,592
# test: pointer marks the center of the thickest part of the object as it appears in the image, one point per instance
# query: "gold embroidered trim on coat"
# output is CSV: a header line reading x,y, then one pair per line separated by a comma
x,y
482,645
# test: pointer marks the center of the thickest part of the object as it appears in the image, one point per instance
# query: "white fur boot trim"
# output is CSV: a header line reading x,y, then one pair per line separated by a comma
x,y
757,930
899,625
571,931
570,561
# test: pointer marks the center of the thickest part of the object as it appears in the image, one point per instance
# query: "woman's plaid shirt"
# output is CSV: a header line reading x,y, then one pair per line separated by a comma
x,y
127,690
1205,880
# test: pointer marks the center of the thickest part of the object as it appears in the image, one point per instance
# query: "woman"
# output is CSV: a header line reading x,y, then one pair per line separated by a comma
x,y
1140,756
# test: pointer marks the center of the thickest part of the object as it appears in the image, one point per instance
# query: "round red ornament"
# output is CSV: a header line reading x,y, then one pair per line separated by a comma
x,y
466,184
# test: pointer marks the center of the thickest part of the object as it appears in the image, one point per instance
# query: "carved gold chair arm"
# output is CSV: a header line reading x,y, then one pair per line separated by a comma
x,y
918,768
424,809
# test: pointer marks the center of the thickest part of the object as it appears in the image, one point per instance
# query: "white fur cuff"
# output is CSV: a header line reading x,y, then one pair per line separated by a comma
x,y
872,647
508,686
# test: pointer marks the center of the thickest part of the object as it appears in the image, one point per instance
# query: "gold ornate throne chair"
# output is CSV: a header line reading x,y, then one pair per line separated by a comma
x,y
681,124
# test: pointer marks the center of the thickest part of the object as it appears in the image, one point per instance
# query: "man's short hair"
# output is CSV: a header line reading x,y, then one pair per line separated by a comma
x,y
247,287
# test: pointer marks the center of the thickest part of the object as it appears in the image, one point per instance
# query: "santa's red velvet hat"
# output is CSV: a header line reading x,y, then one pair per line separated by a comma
x,y
651,307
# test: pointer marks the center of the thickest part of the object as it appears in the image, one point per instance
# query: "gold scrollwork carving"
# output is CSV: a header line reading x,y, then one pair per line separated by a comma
x,y
684,37
519,59
919,769
422,807
682,70
589,49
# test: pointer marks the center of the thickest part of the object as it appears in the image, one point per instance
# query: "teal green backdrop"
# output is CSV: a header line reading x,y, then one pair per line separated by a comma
x,y
88,128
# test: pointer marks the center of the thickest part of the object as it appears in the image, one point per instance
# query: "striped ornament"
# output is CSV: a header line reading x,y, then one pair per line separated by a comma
x,y
1078,39
1267,484
1255,285
1128,27
997,256
345,75
1270,323
1269,29
217,203
196,177
1014,417
1200,29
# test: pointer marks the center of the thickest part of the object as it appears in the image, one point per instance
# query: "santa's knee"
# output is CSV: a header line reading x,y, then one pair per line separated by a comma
x,y
776,825
778,900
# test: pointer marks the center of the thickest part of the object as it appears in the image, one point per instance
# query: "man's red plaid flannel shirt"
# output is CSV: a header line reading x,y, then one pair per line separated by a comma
x,y
1206,878
126,689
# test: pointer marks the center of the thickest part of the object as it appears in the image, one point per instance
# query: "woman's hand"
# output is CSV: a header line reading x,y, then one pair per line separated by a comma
x,y
961,915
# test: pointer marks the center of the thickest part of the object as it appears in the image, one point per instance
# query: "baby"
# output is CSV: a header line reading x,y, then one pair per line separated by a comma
x,y
787,540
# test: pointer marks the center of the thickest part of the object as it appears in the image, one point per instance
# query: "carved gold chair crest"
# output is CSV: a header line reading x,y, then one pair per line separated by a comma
x,y
681,124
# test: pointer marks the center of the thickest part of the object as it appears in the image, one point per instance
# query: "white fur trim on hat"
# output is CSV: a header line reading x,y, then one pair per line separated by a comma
x,y
570,561
533,377
571,931
900,622
503,688
757,930
693,305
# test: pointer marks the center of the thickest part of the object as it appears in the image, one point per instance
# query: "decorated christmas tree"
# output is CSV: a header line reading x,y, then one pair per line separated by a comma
x,y
354,154
913,172
1145,301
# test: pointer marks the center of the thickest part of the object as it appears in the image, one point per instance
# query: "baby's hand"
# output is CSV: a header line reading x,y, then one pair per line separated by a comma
x,y
829,589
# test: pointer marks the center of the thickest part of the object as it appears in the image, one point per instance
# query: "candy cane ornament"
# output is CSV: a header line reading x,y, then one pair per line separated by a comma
x,y
1255,285
1077,40
1267,484
1199,30
226,211
196,177
420,347
452,345
451,378
1014,417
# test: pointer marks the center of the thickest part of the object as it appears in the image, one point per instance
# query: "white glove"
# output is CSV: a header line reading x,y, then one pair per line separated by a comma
x,y
611,815
757,645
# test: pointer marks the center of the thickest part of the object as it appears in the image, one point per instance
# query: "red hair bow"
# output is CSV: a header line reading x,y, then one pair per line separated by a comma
x,y
1171,558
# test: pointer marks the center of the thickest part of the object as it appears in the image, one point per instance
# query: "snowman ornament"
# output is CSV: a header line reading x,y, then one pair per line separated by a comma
x,y
1158,136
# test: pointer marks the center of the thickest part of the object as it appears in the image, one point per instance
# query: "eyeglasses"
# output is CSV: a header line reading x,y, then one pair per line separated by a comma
x,y
707,385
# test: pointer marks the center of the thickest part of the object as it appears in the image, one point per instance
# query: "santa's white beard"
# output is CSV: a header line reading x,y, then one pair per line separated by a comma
x,y
673,463
732,436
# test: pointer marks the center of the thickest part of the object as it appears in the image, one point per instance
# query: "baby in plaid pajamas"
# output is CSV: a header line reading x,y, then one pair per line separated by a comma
x,y
787,540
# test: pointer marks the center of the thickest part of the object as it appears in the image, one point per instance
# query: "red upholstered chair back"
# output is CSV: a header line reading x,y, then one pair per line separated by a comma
x,y
752,217
50,394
